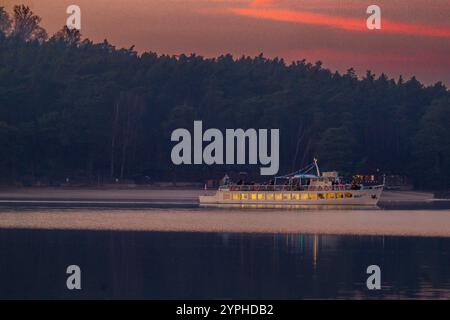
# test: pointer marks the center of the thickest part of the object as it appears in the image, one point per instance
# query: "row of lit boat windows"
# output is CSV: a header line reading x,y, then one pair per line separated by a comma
x,y
285,196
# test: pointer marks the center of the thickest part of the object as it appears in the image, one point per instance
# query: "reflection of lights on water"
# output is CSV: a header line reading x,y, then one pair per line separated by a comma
x,y
301,243
316,240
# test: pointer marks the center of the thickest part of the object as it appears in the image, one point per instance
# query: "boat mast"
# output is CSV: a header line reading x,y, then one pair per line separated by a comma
x,y
317,167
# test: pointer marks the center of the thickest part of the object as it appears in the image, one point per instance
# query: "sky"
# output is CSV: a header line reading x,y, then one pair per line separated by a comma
x,y
414,38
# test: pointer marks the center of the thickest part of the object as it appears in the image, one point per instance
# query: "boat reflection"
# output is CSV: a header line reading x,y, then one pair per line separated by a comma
x,y
290,206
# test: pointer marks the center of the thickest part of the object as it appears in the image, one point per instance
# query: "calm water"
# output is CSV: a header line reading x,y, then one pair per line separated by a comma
x,y
155,265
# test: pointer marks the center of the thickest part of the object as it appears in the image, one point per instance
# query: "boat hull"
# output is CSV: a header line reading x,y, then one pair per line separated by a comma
x,y
364,197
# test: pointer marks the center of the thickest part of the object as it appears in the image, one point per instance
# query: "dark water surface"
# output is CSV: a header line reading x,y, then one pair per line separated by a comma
x,y
156,265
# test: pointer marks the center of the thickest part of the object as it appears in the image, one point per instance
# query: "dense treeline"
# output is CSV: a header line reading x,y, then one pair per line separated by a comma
x,y
73,108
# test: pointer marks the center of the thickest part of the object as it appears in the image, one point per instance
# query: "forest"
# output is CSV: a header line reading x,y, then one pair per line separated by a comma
x,y
72,109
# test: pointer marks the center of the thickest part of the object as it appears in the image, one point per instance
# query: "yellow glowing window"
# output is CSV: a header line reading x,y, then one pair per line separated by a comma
x,y
304,196
348,195
269,196
339,195
330,195
260,196
278,196
321,196
295,196
286,196
253,196
312,196
235,196
244,196
226,196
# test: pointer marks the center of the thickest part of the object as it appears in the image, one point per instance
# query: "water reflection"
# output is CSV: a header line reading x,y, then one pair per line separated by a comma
x,y
290,206
220,265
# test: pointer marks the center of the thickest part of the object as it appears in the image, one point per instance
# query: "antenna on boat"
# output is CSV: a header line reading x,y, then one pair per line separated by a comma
x,y
317,167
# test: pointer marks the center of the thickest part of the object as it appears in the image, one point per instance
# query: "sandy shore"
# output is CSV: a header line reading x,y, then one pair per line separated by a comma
x,y
358,222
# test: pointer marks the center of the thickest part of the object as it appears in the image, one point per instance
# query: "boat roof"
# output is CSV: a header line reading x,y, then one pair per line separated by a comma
x,y
304,173
305,176
302,176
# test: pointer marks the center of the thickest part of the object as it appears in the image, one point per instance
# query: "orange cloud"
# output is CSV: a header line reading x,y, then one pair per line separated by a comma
x,y
261,2
304,17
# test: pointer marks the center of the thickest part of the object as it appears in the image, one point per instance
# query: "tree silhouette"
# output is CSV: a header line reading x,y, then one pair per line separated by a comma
x,y
70,37
26,25
5,21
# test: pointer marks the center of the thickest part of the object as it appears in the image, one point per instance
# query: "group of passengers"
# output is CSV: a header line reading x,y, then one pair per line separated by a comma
x,y
295,185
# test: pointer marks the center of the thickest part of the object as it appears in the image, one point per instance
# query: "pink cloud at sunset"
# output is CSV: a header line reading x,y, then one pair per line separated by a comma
x,y
303,17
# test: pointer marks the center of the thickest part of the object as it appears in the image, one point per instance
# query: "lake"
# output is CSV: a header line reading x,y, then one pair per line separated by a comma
x,y
166,264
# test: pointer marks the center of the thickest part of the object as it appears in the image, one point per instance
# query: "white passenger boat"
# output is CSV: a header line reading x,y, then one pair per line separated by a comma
x,y
298,188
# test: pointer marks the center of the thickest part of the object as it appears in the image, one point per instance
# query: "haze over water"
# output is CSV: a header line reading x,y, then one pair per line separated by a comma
x,y
165,217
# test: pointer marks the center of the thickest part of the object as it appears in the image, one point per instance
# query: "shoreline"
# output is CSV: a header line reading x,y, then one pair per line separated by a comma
x,y
161,194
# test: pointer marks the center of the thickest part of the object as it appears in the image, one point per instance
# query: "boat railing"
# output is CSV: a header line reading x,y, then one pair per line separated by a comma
x,y
341,187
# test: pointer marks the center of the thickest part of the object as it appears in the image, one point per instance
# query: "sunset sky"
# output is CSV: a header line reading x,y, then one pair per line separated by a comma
x,y
414,39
